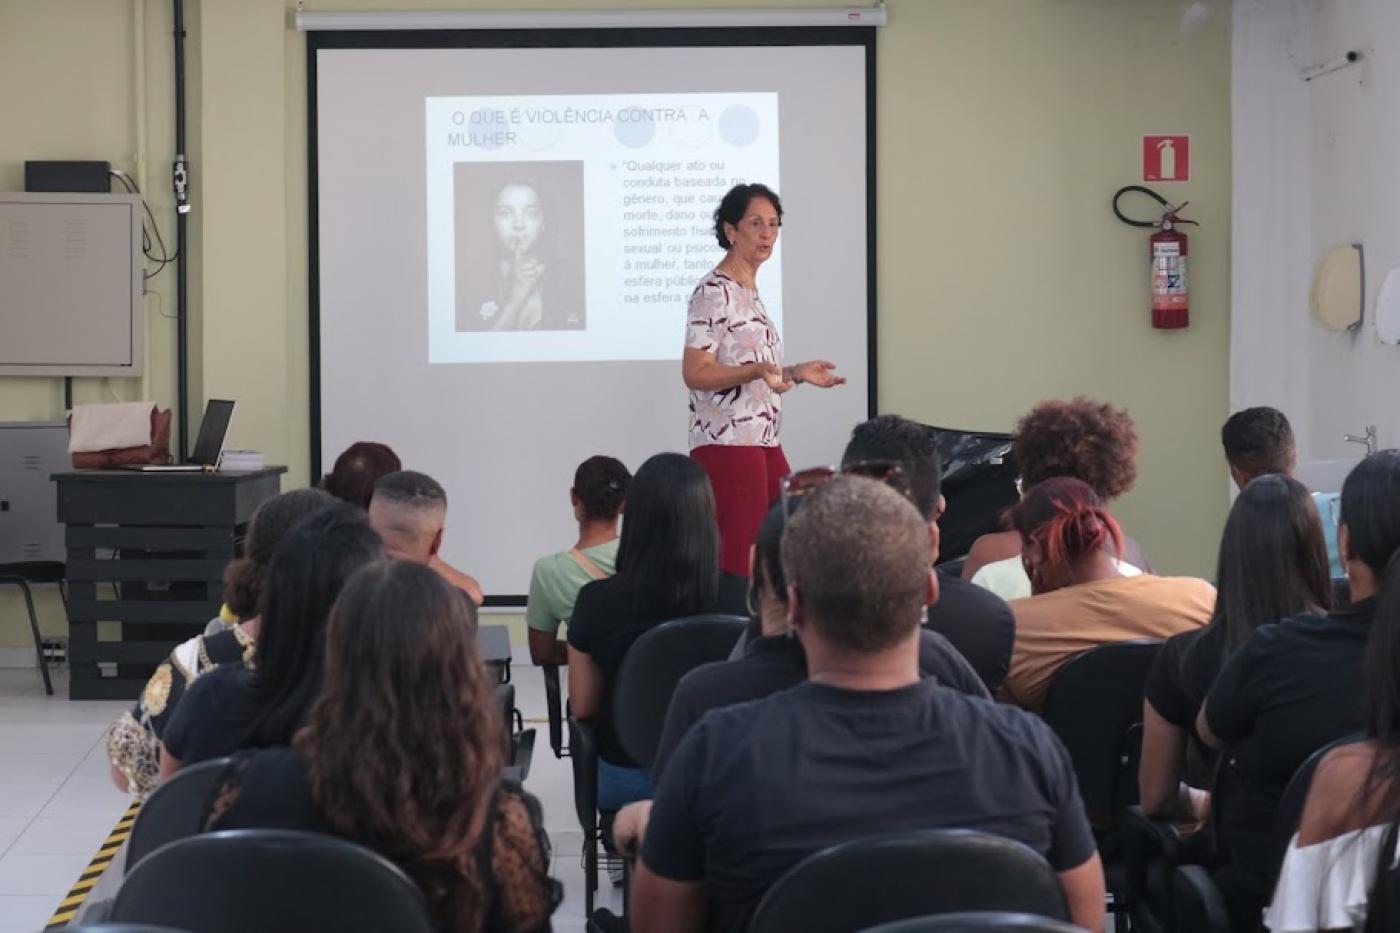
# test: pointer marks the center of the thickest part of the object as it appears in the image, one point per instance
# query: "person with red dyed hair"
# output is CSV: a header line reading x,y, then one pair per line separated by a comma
x,y
1082,438
1070,547
357,469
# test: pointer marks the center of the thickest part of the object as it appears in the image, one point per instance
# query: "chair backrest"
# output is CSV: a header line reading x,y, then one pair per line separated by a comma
x,y
654,665
899,876
976,921
554,707
1295,796
176,810
120,928
272,881
1095,707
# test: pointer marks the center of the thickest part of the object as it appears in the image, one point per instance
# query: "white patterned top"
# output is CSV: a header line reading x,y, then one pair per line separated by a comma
x,y
729,321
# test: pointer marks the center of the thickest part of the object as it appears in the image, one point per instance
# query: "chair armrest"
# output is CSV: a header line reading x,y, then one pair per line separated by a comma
x,y
522,753
583,755
554,706
1152,849
1197,903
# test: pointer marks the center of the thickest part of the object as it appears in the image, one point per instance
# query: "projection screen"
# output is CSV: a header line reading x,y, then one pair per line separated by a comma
x,y
587,164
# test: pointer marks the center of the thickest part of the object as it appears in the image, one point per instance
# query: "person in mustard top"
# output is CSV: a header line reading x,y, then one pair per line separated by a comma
x,y
1070,545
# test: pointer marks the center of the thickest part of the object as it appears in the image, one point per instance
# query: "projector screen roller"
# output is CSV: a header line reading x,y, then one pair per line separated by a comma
x,y
505,240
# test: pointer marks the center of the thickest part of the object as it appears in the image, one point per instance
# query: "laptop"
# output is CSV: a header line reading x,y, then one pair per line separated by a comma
x,y
207,446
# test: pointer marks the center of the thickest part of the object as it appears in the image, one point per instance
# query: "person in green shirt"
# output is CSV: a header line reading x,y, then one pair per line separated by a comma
x,y
598,494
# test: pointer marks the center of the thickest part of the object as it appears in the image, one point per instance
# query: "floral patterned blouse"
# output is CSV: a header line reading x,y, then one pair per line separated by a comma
x,y
729,321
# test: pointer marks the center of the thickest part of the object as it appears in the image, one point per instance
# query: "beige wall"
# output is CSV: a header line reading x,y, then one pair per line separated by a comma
x,y
1004,126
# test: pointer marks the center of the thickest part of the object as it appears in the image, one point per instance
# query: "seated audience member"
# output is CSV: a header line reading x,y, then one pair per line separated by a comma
x,y
773,658
1296,686
431,798
667,567
1259,441
863,747
975,620
1072,548
1082,439
1333,875
1272,566
357,469
133,742
598,494
236,706
409,510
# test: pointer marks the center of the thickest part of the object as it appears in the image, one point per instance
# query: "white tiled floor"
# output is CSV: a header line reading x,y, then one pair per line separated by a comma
x,y
57,803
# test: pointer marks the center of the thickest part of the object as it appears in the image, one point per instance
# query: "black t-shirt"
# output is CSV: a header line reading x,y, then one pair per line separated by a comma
x,y
213,719
1293,688
979,623
755,788
1183,672
1177,684
604,625
774,663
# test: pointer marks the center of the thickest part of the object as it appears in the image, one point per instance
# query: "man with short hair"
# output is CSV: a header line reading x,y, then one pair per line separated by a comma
x,y
863,747
1259,441
409,511
976,621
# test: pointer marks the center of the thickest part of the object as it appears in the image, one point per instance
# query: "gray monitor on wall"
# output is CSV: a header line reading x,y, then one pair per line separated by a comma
x,y
71,280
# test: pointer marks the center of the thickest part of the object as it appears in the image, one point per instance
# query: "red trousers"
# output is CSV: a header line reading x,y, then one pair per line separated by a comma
x,y
746,481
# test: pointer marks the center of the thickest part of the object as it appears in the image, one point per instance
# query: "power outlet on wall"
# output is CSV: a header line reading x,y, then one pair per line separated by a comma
x,y
55,649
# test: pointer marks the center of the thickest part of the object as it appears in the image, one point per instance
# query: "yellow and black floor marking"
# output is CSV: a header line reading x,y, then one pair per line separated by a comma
x,y
68,908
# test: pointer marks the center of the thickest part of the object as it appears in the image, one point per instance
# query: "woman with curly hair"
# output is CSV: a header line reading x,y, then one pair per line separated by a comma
x,y
133,742
1071,547
403,677
260,705
1082,439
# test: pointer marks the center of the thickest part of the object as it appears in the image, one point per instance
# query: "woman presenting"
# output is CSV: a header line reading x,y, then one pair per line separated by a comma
x,y
734,371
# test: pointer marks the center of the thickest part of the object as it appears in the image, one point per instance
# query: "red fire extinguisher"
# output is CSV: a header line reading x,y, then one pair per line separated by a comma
x,y
1167,251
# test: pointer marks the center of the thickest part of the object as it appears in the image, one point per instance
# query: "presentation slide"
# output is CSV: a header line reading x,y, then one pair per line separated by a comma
x,y
574,227
507,238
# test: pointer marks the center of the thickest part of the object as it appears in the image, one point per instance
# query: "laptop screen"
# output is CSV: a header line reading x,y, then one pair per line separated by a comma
x,y
212,431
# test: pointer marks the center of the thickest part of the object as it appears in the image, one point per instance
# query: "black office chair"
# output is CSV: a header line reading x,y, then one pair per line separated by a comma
x,y
176,810
22,575
1095,707
976,922
1295,794
273,881
554,706
650,671
900,876
653,666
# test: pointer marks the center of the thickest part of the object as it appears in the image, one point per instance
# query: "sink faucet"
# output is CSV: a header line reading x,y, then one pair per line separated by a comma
x,y
1369,439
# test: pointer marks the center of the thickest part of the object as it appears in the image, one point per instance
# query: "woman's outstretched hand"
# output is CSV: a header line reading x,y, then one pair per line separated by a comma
x,y
820,373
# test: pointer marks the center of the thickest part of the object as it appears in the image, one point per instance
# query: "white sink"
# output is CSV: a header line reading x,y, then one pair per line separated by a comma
x,y
1324,475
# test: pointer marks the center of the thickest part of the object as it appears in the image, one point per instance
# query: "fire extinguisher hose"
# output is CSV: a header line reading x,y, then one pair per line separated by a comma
x,y
1168,210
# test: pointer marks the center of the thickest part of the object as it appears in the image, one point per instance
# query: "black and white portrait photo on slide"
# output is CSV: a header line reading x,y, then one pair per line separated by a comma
x,y
519,246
